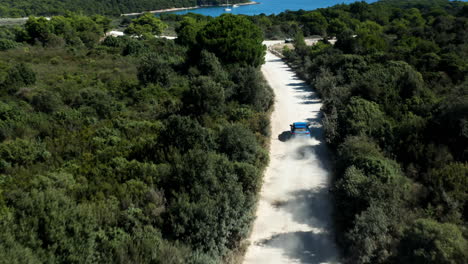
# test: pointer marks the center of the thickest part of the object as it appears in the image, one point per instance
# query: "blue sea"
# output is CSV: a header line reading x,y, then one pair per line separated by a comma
x,y
269,7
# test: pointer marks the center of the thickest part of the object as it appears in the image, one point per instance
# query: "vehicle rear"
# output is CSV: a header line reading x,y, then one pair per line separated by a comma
x,y
300,129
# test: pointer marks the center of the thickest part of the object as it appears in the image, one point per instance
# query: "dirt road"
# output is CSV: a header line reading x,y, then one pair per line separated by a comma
x,y
293,222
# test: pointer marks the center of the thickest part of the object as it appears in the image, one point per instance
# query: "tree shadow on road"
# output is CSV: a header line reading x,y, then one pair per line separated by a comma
x,y
306,247
310,207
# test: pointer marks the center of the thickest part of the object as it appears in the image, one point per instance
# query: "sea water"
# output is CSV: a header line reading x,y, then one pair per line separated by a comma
x,y
268,7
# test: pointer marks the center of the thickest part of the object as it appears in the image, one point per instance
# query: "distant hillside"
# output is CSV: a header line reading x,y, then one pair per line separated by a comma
x,y
21,8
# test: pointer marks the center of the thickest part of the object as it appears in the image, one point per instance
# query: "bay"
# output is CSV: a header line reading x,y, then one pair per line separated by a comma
x,y
268,7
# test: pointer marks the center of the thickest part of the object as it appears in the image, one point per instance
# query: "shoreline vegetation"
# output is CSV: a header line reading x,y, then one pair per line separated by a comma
x,y
185,8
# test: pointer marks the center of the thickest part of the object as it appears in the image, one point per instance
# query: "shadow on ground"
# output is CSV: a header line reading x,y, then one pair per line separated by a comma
x,y
285,136
310,207
293,244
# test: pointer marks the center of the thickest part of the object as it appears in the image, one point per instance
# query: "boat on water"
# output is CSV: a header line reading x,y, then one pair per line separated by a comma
x,y
227,9
235,6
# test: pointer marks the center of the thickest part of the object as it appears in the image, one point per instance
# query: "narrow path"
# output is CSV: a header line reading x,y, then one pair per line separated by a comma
x,y
294,221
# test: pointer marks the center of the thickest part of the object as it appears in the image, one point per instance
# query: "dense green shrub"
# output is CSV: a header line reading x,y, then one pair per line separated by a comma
x,y
427,241
7,44
234,39
395,109
18,76
111,152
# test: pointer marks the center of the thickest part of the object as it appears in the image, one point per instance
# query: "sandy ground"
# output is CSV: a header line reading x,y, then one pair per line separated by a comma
x,y
293,223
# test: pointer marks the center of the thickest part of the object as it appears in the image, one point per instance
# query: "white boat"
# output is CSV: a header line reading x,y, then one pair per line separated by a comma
x,y
235,6
227,9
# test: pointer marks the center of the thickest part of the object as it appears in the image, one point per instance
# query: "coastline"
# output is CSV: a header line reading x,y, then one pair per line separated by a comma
x,y
185,8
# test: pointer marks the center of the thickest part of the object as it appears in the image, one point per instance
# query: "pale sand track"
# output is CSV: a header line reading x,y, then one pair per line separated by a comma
x,y
293,223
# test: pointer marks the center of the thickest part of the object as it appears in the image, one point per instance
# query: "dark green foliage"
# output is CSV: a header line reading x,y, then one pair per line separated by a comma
x,y
314,23
238,143
18,76
202,212
121,151
362,117
146,26
204,96
153,68
185,133
210,65
427,241
250,89
187,31
449,189
395,108
46,101
72,29
234,39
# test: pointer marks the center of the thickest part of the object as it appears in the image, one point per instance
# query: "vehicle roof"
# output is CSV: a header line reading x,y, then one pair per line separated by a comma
x,y
297,124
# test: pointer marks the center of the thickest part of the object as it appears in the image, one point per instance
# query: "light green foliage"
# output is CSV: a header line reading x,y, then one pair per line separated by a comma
x,y
6,44
146,26
21,153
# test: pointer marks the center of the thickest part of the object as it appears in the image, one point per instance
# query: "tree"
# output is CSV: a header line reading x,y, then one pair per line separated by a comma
x,y
251,89
6,44
204,96
335,27
314,24
146,26
38,29
187,31
365,118
46,101
154,69
238,143
185,133
18,76
450,185
210,65
234,39
427,241
370,237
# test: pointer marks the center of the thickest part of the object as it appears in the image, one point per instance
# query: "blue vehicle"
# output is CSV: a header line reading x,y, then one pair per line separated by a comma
x,y
300,129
